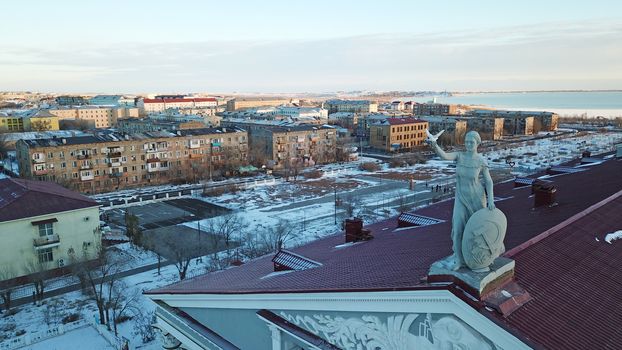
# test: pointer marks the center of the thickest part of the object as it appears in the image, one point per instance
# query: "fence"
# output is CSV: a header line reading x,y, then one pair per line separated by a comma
x,y
51,332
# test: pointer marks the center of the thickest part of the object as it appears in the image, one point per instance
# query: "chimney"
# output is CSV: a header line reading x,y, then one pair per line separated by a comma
x,y
586,154
64,140
355,231
544,193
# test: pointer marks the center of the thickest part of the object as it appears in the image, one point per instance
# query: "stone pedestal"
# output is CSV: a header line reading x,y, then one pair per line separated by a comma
x,y
476,283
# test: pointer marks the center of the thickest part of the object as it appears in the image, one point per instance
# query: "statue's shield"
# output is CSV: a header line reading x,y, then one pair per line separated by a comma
x,y
482,240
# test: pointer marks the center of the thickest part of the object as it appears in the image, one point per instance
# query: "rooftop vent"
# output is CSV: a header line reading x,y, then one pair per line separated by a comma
x,y
544,192
410,219
522,182
285,260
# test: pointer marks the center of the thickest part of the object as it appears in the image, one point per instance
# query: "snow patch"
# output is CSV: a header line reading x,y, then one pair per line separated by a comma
x,y
610,237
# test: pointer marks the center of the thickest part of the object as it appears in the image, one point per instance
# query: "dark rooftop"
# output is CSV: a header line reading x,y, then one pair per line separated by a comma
x,y
400,258
26,198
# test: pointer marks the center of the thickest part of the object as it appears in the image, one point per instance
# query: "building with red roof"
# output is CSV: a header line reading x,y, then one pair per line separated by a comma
x,y
43,225
375,291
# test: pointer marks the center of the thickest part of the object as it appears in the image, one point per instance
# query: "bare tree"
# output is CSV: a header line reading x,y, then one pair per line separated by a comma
x,y
143,326
256,244
41,125
226,226
275,237
76,124
4,145
38,272
7,284
120,303
100,276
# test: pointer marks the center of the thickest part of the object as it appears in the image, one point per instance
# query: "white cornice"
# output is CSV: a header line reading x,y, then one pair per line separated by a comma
x,y
415,301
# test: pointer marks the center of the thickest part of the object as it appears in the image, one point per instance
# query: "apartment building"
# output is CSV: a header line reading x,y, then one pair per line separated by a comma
x,y
40,121
102,117
71,101
455,128
280,146
300,112
12,123
151,105
398,134
352,106
112,100
43,226
140,125
245,103
106,162
434,109
541,121
344,119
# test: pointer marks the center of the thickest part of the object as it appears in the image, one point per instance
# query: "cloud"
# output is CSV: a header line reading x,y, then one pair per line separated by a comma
x,y
547,56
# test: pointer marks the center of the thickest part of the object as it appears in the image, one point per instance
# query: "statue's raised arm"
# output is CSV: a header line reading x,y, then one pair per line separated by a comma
x,y
431,140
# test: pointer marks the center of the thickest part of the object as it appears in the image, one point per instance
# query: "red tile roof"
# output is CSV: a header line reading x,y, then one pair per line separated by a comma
x,y
575,280
21,198
172,100
400,259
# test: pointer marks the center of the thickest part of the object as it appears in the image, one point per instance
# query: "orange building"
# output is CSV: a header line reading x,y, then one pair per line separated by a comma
x,y
397,134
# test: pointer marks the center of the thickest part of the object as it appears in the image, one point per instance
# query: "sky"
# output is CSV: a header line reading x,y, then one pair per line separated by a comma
x,y
268,46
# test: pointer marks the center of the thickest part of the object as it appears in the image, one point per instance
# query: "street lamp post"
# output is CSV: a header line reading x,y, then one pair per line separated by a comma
x,y
335,188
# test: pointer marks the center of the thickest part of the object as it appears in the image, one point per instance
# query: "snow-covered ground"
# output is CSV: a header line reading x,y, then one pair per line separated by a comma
x,y
308,204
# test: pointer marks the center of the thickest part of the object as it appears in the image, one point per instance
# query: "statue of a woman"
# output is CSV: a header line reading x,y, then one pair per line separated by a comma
x,y
470,194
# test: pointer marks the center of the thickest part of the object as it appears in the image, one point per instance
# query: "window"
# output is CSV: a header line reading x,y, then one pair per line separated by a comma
x,y
45,255
46,229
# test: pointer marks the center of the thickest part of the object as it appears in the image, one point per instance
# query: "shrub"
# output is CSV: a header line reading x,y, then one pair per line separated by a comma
x,y
313,174
70,318
123,318
396,163
369,166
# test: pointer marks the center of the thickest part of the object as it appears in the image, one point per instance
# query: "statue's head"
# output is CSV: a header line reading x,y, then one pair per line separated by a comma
x,y
472,140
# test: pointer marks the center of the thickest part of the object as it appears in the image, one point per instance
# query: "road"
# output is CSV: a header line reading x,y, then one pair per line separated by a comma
x,y
77,286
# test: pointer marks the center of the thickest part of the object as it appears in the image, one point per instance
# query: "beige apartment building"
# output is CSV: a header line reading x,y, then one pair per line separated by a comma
x,y
351,106
107,162
44,226
455,129
102,117
281,147
434,109
243,103
398,134
153,105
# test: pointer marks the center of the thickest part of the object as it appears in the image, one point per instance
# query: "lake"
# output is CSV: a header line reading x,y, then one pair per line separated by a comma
x,y
607,104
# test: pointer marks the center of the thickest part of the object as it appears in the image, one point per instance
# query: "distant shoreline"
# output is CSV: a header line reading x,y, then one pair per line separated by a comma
x,y
526,91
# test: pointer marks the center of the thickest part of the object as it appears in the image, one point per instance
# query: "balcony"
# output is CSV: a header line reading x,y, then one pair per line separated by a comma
x,y
153,160
114,154
116,174
86,166
83,156
86,177
46,241
40,172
